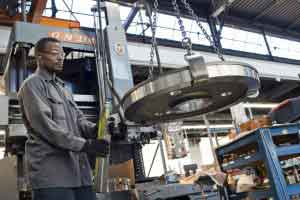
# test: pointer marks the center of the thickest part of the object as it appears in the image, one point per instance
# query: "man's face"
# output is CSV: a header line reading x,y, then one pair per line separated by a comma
x,y
52,57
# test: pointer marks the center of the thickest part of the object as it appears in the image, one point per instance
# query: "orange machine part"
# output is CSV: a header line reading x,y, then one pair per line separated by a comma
x,y
49,21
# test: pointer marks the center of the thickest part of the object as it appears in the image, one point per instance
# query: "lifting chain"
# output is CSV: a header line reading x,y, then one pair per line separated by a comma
x,y
153,40
198,21
186,41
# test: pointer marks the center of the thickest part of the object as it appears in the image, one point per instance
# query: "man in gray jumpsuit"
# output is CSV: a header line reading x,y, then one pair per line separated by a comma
x,y
59,135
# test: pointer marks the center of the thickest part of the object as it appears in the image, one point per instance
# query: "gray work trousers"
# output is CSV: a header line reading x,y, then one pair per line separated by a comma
x,y
81,193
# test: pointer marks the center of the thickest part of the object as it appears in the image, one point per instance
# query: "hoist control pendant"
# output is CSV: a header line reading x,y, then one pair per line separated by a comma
x,y
197,89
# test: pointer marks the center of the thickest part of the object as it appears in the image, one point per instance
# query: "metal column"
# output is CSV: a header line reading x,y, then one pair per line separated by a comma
x,y
277,179
112,67
101,163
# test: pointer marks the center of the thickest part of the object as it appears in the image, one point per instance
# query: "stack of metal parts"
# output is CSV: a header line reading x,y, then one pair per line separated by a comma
x,y
138,162
174,140
152,191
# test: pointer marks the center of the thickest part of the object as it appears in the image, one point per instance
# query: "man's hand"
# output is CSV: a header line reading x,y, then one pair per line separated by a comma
x,y
96,147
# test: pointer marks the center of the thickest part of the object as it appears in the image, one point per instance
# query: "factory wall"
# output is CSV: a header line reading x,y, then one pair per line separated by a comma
x,y
174,58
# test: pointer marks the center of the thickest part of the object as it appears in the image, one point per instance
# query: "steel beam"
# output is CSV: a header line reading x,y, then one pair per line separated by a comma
x,y
130,17
23,10
294,23
37,9
53,8
221,8
280,90
267,44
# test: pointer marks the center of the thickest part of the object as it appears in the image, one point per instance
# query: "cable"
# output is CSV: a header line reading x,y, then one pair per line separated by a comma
x,y
118,106
72,3
101,51
70,10
153,159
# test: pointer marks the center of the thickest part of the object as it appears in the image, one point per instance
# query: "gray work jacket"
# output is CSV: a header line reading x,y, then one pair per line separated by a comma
x,y
57,131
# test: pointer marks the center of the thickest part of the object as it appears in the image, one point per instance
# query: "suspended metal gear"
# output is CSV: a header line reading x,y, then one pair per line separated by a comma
x,y
198,89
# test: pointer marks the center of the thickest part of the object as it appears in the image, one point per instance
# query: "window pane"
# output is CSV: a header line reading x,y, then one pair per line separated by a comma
x,y
164,33
47,13
197,35
135,28
83,6
241,40
64,15
124,12
85,20
198,38
168,28
166,21
63,5
48,5
284,48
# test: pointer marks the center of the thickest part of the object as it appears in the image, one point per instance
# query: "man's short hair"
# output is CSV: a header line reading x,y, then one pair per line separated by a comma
x,y
42,43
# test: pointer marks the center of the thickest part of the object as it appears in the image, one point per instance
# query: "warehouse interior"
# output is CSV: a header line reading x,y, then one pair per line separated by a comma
x,y
199,99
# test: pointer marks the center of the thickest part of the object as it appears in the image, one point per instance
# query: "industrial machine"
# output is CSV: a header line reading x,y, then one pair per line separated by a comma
x,y
103,88
286,112
82,81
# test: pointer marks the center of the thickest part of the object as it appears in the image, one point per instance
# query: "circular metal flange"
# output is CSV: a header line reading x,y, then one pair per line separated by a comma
x,y
188,92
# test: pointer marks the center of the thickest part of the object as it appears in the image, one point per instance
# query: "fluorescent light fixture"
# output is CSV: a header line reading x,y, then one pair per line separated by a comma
x,y
220,126
260,105
2,132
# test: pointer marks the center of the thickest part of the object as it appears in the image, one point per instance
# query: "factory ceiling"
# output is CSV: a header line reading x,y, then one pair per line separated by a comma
x,y
277,17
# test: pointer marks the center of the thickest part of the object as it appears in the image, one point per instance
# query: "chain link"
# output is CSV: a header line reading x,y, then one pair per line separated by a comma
x,y
142,22
198,21
186,41
153,40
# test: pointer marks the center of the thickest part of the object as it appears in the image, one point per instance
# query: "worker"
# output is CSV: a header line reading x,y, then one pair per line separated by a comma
x,y
59,136
10,5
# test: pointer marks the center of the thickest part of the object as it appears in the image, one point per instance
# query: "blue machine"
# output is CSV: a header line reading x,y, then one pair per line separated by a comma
x,y
272,145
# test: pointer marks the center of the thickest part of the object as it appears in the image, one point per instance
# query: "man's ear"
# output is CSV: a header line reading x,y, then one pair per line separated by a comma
x,y
38,57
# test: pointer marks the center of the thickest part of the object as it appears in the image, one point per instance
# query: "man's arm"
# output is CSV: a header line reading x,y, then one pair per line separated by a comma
x,y
88,129
39,115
